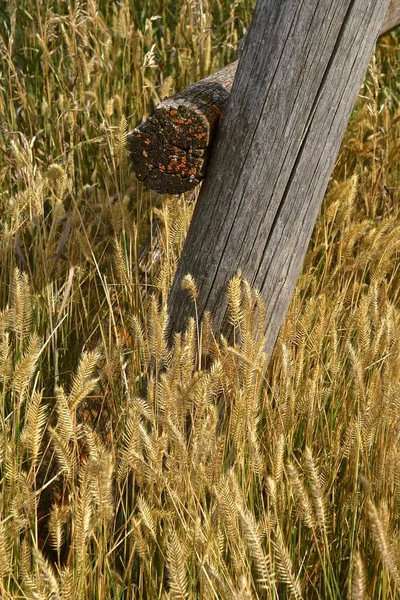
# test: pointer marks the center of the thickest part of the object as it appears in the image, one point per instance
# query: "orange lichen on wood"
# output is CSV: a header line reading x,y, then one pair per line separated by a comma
x,y
169,150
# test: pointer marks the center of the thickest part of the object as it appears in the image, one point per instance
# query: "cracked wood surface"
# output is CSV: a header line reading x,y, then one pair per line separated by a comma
x,y
301,69
169,151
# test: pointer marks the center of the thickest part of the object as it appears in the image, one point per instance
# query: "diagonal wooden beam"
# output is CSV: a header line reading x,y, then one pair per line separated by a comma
x,y
299,75
170,149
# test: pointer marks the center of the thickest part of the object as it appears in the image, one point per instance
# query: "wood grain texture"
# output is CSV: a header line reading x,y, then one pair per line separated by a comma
x,y
170,149
300,72
392,17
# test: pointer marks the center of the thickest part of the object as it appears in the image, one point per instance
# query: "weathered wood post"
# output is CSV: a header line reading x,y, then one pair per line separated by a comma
x,y
298,77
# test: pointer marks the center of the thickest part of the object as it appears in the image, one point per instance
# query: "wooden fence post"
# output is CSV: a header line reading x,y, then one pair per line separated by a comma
x,y
298,77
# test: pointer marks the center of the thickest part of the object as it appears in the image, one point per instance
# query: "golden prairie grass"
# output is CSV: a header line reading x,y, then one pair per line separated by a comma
x,y
131,470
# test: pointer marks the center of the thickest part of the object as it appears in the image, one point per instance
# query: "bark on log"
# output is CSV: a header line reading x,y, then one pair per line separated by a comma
x,y
300,72
169,151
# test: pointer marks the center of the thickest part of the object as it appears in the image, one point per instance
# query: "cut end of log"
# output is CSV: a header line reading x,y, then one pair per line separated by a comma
x,y
169,150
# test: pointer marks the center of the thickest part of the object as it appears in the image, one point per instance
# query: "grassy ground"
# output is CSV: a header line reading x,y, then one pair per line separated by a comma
x,y
285,484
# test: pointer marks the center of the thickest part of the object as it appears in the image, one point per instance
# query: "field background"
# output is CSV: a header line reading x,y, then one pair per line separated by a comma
x,y
128,470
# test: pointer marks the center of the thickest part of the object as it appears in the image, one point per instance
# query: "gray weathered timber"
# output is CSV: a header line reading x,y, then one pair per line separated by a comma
x,y
392,17
298,77
170,149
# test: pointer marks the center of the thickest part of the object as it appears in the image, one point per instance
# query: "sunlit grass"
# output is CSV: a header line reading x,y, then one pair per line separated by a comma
x,y
131,470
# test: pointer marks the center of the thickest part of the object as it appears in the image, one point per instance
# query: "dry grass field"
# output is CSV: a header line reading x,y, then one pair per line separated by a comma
x,y
131,470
